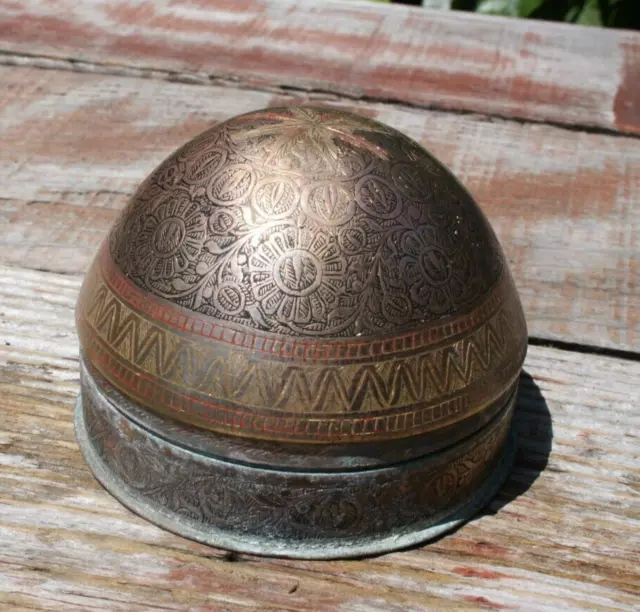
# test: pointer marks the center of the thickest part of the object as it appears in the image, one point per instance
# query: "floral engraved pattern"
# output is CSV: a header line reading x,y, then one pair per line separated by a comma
x,y
436,271
308,221
170,238
207,493
297,276
170,176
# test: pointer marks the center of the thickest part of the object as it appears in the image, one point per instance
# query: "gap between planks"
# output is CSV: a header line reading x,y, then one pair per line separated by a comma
x,y
43,62
507,67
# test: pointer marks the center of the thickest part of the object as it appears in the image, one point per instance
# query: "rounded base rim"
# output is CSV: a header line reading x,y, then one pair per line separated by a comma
x,y
411,535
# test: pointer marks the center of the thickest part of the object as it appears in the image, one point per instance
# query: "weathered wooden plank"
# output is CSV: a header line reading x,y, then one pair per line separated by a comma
x,y
527,69
562,202
564,536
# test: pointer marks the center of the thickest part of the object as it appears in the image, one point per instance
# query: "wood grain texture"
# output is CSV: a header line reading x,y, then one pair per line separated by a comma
x,y
561,201
564,533
526,69
564,536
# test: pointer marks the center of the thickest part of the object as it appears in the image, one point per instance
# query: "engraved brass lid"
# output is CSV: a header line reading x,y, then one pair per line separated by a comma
x,y
302,287
304,274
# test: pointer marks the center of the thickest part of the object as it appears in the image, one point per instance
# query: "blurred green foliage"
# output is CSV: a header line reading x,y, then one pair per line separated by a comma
x,y
610,13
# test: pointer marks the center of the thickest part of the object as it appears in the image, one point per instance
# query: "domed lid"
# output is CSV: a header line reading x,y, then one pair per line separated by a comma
x,y
304,274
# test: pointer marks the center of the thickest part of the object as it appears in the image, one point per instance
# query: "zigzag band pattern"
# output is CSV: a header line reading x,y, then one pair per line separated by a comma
x,y
192,381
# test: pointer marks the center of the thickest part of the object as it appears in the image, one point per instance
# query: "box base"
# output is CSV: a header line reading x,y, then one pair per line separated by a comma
x,y
295,514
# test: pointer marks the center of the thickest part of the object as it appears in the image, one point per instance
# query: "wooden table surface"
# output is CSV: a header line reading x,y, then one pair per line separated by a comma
x,y
542,123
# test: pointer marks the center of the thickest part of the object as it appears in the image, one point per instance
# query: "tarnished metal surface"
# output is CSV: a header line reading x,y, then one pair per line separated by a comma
x,y
304,288
311,514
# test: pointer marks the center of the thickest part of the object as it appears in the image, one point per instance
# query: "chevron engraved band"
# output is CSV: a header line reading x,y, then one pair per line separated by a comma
x,y
298,390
